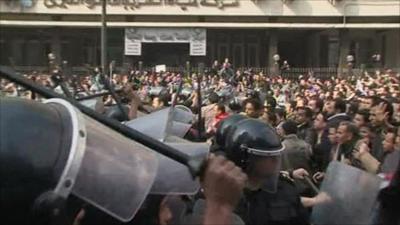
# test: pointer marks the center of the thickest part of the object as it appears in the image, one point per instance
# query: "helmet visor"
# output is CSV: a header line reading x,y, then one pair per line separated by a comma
x,y
266,170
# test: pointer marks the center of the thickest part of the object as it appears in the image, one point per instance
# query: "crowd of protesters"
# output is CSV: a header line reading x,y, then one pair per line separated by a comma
x,y
329,118
351,118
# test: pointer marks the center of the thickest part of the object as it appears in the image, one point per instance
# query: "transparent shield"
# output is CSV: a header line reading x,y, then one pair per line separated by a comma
x,y
96,104
166,122
174,178
348,196
179,129
116,173
153,124
182,114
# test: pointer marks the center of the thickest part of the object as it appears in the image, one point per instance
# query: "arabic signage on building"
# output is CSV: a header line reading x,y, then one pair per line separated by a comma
x,y
134,37
132,4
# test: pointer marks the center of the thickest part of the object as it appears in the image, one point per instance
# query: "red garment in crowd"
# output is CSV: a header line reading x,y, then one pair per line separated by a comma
x,y
215,122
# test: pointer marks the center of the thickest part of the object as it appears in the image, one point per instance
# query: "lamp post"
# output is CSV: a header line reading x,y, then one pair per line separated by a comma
x,y
140,67
187,69
276,59
104,36
376,59
350,64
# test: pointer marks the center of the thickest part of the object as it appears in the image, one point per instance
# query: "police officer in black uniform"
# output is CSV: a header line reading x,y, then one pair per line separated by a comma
x,y
269,198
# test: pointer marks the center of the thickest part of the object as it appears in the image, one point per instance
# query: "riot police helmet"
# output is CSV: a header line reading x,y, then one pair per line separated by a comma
x,y
225,126
255,146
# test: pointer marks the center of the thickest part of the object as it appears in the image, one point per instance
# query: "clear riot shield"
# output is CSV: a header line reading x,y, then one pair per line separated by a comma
x,y
349,196
96,104
153,124
170,125
182,114
166,122
179,121
116,173
179,129
174,178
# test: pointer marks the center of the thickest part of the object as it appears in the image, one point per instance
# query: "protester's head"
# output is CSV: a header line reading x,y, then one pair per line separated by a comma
x,y
320,122
329,107
301,101
332,135
280,115
366,133
361,118
366,102
252,107
303,115
389,142
339,106
289,127
347,132
160,101
316,105
213,98
270,118
352,108
381,113
219,108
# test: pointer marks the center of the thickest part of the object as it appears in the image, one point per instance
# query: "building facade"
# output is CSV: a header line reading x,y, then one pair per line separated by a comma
x,y
306,33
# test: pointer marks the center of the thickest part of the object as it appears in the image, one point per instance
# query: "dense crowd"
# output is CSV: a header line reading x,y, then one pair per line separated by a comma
x,y
331,117
353,118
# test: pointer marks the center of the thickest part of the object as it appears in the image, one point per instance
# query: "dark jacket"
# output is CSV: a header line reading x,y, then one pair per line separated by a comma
x,y
377,145
321,152
305,132
345,151
281,208
297,153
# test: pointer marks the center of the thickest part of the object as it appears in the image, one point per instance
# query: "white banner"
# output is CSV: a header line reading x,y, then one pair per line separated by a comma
x,y
198,48
197,37
161,68
132,47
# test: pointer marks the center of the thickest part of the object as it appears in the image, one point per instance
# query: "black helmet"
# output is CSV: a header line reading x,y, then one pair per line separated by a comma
x,y
235,105
225,126
251,136
255,147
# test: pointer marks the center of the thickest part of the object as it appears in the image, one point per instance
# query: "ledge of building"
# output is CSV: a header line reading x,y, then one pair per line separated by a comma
x,y
30,23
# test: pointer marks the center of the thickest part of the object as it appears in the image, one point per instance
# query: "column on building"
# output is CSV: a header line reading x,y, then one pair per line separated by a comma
x,y
364,47
16,56
313,49
55,46
392,49
344,47
378,46
272,47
